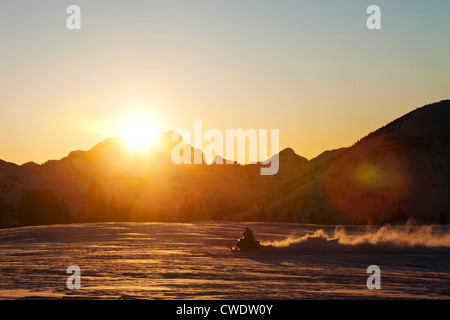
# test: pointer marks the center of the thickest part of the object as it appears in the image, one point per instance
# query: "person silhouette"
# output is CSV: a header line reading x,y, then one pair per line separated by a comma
x,y
248,234
247,241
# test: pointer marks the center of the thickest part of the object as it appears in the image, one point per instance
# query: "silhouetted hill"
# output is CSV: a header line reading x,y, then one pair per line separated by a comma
x,y
318,163
111,183
398,172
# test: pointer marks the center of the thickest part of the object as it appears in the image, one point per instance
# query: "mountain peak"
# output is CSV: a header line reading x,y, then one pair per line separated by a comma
x,y
31,165
287,151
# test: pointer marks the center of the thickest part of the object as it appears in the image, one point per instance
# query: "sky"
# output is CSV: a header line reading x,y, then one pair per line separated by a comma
x,y
311,69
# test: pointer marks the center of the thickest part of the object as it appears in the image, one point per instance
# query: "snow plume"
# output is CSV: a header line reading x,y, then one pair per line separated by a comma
x,y
374,239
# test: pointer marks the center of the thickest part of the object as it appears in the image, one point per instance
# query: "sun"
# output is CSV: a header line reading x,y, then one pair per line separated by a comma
x,y
139,133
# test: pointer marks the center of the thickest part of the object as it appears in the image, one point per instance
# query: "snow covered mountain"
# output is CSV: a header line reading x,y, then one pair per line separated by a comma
x,y
398,172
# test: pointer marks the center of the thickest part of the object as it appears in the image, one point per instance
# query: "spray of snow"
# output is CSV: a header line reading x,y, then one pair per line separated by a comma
x,y
375,239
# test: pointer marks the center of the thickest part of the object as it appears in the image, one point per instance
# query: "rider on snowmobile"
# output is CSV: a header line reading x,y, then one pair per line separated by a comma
x,y
247,242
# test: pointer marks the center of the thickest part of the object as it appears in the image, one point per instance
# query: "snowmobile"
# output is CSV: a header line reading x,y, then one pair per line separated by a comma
x,y
243,246
246,242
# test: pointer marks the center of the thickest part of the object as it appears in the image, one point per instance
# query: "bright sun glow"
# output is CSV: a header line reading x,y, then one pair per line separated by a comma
x,y
139,133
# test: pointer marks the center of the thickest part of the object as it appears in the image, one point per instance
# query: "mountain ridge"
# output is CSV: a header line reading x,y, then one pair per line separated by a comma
x,y
393,174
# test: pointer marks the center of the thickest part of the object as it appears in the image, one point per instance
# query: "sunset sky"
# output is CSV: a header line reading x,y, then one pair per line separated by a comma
x,y
312,70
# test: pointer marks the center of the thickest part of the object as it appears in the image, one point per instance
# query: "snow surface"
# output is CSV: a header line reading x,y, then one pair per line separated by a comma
x,y
192,261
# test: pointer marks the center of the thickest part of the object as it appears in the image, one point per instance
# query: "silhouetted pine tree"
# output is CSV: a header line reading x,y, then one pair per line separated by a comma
x,y
96,206
42,207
